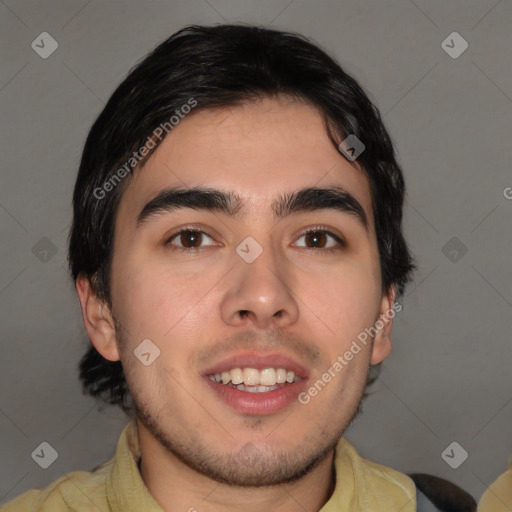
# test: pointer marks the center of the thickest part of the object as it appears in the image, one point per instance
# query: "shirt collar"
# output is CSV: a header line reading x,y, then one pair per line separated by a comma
x,y
363,485
126,491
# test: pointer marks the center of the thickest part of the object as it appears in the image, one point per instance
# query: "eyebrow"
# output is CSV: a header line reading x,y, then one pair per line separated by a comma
x,y
216,200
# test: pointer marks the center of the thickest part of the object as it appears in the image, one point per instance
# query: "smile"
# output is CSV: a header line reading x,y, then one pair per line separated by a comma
x,y
251,379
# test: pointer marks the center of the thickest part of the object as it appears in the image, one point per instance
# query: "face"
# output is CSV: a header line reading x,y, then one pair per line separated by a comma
x,y
245,295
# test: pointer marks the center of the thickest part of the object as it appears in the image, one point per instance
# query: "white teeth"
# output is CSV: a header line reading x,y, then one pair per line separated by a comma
x,y
256,389
281,376
251,377
268,377
237,377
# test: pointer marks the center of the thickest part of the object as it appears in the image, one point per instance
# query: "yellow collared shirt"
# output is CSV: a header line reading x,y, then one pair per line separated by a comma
x,y
498,498
117,486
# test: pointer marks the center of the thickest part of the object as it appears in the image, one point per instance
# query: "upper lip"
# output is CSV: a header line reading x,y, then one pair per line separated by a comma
x,y
259,361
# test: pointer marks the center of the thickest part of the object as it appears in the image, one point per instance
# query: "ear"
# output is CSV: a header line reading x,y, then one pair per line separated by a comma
x,y
384,325
98,320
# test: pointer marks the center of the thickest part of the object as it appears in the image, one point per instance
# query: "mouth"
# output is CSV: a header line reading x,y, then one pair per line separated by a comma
x,y
255,384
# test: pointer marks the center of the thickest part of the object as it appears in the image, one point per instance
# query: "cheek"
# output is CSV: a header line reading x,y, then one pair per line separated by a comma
x,y
157,303
345,300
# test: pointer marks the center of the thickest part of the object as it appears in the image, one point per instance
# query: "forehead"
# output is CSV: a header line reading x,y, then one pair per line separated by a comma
x,y
257,150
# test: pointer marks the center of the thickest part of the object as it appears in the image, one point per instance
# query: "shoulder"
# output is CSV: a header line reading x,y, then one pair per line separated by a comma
x,y
498,496
80,490
374,487
377,473
384,476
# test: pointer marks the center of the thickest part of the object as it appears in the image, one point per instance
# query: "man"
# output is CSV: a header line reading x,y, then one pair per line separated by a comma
x,y
238,254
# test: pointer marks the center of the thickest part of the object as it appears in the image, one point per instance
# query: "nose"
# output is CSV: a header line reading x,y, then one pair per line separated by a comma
x,y
260,293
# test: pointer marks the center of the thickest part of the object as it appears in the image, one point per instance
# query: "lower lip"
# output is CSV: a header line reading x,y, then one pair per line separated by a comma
x,y
258,404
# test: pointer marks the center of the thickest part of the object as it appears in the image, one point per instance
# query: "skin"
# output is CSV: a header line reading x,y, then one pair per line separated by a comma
x,y
188,302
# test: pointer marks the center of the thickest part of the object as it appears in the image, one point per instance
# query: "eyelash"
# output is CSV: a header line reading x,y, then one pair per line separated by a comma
x,y
315,229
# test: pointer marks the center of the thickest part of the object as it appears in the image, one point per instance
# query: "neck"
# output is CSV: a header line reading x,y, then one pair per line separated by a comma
x,y
175,486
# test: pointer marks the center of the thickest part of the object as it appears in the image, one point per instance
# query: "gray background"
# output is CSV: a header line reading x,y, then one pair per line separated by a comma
x,y
448,378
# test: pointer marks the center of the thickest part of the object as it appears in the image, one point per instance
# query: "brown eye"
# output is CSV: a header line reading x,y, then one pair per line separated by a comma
x,y
319,238
188,239
316,238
